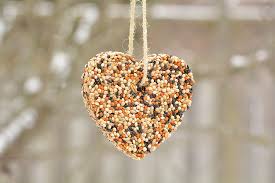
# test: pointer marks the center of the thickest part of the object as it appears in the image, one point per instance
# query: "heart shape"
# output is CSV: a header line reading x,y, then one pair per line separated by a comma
x,y
135,118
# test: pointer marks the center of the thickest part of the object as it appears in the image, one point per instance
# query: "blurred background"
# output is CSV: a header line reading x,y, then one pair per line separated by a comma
x,y
46,135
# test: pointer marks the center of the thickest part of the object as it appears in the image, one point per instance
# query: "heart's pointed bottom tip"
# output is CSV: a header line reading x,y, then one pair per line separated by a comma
x,y
136,157
132,155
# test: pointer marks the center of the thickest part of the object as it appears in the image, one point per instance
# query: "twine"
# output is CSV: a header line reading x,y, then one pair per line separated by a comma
x,y
132,26
145,42
145,35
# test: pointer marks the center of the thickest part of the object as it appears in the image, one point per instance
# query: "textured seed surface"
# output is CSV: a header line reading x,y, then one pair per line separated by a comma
x,y
135,118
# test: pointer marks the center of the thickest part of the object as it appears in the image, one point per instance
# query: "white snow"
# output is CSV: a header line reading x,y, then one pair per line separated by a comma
x,y
239,61
44,8
61,64
25,120
11,10
2,29
89,16
262,55
33,85
187,12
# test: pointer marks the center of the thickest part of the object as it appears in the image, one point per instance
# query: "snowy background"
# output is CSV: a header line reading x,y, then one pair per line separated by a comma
x,y
46,135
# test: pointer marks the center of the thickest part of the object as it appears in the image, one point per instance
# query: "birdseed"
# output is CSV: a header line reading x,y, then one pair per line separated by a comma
x,y
135,118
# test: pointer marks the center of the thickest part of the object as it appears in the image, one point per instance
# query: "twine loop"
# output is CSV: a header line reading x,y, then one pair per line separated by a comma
x,y
145,35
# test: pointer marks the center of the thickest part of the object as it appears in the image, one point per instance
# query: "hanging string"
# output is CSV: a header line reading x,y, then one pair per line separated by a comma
x,y
132,35
145,42
132,27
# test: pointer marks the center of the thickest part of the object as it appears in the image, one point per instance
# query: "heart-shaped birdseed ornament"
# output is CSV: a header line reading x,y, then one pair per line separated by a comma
x,y
137,118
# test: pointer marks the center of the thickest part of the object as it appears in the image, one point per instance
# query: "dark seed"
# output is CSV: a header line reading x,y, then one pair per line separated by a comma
x,y
174,101
156,113
180,113
132,105
107,129
140,129
133,93
153,116
99,66
149,75
141,88
187,70
117,94
100,115
109,81
160,140
133,133
85,94
97,81
147,104
142,97
155,106
188,81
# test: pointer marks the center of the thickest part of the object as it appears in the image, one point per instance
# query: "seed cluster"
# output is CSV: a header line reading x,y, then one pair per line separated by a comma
x,y
137,118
